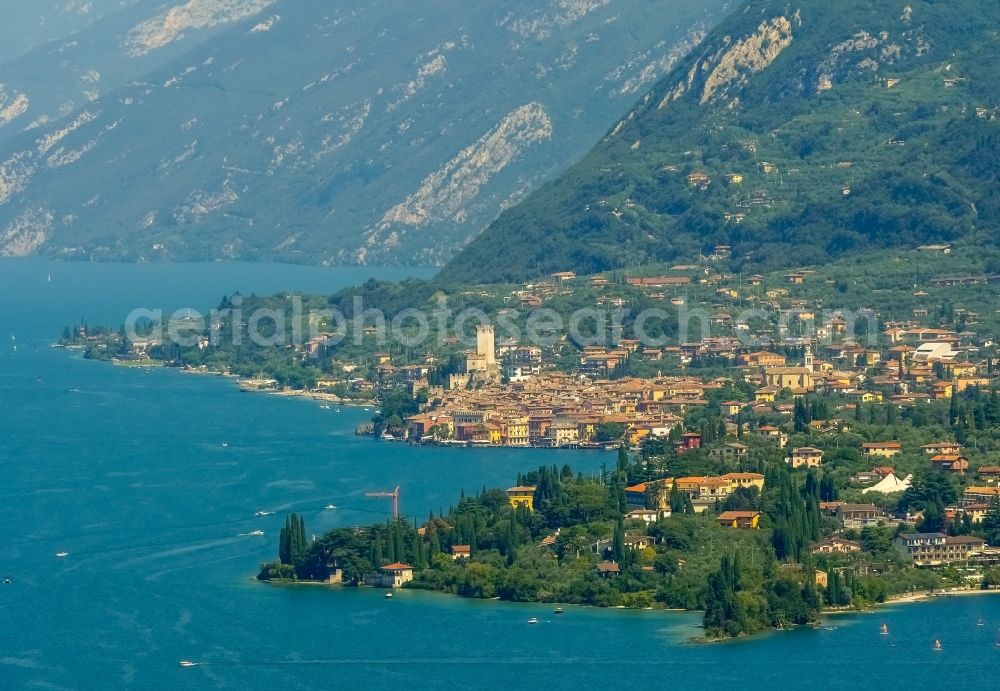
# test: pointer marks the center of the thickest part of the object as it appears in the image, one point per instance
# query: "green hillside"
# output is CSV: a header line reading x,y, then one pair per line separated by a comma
x,y
795,133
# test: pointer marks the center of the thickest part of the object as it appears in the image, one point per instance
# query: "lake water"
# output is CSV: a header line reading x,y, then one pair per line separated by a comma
x,y
127,471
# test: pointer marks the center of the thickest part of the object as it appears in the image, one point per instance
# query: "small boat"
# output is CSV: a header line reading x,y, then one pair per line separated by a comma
x,y
980,622
256,532
225,444
937,644
187,663
324,407
7,580
557,610
337,410
885,630
330,507
388,596
263,513
62,554
533,620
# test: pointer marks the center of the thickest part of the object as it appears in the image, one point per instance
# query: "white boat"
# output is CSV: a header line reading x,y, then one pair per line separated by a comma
x,y
533,620
330,507
62,554
187,663
225,444
937,644
388,596
256,532
263,513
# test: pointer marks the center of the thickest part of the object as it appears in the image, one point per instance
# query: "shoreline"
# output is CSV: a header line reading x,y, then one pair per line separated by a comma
x,y
911,598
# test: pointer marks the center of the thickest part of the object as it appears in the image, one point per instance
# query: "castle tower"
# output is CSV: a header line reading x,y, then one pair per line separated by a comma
x,y
485,344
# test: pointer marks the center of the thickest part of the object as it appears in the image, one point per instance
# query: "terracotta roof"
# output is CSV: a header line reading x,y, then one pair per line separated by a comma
x,y
397,567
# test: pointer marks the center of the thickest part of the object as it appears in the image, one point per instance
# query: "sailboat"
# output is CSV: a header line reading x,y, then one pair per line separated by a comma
x,y
885,629
937,644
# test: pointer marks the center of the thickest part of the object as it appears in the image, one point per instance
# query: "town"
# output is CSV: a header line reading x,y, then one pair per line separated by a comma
x,y
855,448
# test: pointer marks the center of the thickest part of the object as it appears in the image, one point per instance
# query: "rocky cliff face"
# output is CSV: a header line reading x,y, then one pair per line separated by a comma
x,y
299,129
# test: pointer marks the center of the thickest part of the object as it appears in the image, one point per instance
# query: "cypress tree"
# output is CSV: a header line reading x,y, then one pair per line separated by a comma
x,y
622,459
618,542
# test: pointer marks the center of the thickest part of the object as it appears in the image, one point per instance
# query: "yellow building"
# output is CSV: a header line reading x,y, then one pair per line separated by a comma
x,y
745,480
748,520
521,496
493,433
882,449
514,431
765,395
794,378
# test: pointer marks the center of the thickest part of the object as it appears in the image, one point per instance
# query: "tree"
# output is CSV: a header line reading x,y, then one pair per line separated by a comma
x,y
618,542
991,523
609,431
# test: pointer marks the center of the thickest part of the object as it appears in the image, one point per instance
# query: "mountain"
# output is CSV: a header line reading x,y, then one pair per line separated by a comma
x,y
59,56
796,132
354,132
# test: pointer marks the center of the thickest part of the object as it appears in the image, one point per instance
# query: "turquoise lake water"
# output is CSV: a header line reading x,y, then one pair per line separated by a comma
x,y
126,471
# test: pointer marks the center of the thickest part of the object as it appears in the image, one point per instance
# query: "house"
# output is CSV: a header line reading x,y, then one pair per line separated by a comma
x,y
857,515
932,549
635,496
882,449
836,545
798,379
763,358
807,456
606,569
713,489
766,394
952,463
989,473
646,515
731,408
772,434
980,495
946,447
688,442
738,480
395,575
638,540
874,475
461,551
521,496
749,520
733,451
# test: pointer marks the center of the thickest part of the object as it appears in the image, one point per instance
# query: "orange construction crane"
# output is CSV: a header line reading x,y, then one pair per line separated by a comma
x,y
395,500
